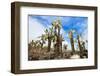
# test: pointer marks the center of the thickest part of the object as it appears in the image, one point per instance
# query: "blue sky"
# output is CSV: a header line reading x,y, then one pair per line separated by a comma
x,y
37,23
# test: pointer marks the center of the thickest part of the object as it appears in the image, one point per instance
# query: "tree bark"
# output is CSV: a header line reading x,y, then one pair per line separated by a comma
x,y
49,44
58,41
72,42
80,48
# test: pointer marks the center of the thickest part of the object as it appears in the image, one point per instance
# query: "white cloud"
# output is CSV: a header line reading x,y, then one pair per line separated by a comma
x,y
35,29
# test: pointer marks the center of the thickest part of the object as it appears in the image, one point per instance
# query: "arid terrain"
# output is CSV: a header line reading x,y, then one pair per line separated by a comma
x,y
52,36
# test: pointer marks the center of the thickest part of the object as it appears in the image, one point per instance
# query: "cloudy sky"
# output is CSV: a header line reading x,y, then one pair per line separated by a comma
x,y
38,23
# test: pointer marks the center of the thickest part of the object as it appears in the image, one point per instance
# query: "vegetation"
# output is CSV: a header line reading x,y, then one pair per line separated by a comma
x,y
37,50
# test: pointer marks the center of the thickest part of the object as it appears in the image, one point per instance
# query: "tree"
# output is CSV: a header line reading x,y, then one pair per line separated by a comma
x,y
33,44
43,38
57,27
54,39
71,40
49,37
65,46
80,46
61,39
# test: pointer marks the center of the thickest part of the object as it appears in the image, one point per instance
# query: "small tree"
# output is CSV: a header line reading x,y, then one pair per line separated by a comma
x,y
48,37
71,40
42,40
80,46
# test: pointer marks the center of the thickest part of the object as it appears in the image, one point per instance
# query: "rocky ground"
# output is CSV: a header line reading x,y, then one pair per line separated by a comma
x,y
37,54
